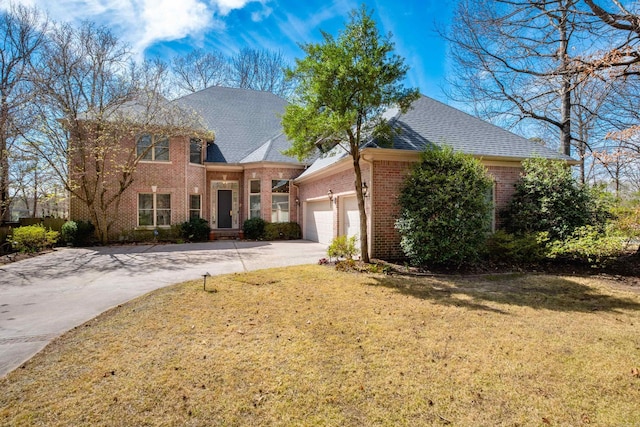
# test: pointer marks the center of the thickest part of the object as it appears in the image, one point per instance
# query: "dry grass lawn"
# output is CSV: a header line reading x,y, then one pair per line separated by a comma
x,y
312,346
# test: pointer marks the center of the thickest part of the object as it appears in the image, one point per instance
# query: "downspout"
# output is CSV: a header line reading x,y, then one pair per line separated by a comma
x,y
370,217
297,204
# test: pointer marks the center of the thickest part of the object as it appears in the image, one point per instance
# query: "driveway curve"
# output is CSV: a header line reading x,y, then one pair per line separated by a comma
x,y
45,296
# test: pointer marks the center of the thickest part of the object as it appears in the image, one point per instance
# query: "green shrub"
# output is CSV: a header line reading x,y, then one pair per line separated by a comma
x,y
627,223
548,199
33,238
445,211
282,231
253,228
160,234
342,247
78,233
517,248
69,231
589,244
86,233
195,230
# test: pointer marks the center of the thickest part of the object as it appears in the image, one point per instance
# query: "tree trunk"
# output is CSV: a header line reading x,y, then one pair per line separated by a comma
x,y
565,90
35,192
4,181
364,241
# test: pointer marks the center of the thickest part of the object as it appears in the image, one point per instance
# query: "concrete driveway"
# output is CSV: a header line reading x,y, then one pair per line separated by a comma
x,y
45,296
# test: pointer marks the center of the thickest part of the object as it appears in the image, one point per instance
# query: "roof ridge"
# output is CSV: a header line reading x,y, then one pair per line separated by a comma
x,y
238,89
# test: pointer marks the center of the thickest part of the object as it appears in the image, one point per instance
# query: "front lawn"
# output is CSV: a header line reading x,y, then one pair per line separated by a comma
x,y
312,346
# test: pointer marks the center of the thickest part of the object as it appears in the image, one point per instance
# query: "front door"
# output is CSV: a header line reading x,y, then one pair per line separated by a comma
x,y
225,209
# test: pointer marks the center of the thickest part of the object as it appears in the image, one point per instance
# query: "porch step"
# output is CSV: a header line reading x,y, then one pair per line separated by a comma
x,y
226,234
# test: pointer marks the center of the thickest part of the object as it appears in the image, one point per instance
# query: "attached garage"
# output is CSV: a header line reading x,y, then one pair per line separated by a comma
x,y
318,221
350,218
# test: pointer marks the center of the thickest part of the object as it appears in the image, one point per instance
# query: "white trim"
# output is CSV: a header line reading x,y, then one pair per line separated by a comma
x,y
316,199
154,209
234,186
156,162
249,194
189,206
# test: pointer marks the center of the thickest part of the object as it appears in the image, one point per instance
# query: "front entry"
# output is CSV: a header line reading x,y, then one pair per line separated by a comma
x,y
225,209
225,205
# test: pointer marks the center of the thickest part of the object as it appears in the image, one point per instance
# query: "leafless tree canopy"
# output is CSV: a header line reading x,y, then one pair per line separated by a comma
x,y
21,30
92,96
198,70
260,70
564,69
256,69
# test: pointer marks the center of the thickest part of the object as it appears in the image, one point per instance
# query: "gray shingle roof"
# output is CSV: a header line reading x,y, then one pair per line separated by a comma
x,y
432,122
248,129
246,124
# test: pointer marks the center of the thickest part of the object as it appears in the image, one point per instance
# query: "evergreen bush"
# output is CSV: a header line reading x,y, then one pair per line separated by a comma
x,y
78,233
253,228
282,231
548,199
195,230
445,211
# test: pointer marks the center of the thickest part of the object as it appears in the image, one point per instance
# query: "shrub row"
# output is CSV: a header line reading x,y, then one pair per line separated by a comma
x,y
259,229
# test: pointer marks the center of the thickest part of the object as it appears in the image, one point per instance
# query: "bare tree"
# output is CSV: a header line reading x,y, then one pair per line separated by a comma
x,y
93,103
198,70
623,54
30,180
514,60
22,35
260,70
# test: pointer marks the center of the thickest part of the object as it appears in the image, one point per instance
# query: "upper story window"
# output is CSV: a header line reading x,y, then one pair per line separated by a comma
x,y
195,151
154,148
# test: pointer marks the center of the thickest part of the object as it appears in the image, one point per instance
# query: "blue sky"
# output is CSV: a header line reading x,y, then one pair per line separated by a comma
x,y
168,27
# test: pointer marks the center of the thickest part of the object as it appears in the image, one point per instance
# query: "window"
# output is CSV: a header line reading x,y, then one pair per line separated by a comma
x,y
194,206
254,199
492,212
153,148
195,151
154,210
280,200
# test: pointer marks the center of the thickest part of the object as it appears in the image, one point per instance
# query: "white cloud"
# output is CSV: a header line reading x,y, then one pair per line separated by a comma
x,y
142,23
170,20
261,14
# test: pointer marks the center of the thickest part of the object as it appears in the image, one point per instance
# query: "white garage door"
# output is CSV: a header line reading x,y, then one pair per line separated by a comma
x,y
318,222
350,217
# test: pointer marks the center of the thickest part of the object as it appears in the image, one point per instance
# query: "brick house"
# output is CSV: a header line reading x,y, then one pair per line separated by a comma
x,y
243,173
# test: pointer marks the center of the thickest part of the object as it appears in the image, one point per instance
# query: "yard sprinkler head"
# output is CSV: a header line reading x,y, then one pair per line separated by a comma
x,y
204,284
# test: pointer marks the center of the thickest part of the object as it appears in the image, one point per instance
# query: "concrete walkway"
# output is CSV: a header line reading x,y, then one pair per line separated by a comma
x,y
45,296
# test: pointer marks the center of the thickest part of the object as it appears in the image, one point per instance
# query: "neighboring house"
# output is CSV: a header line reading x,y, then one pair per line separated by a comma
x,y
243,173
